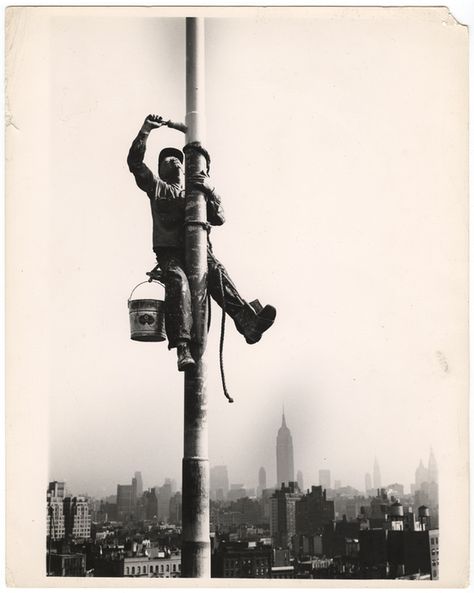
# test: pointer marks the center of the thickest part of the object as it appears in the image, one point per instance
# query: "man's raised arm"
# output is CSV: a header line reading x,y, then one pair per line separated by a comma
x,y
143,176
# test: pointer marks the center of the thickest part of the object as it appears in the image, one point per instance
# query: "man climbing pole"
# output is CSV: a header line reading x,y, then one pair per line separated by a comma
x,y
167,200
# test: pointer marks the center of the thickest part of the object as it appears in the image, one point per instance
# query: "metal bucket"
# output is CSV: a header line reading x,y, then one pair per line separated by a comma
x,y
147,318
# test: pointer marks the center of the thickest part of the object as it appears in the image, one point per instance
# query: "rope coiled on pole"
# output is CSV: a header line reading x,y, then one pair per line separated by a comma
x,y
197,147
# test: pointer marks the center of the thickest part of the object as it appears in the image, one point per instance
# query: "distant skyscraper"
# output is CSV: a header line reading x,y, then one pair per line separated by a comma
x,y
138,478
299,479
432,468
284,454
368,482
325,478
125,505
219,481
262,481
337,484
134,492
176,508
151,504
172,484
377,476
164,497
421,475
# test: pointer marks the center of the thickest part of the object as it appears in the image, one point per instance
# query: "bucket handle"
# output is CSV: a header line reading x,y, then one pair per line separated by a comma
x,y
144,282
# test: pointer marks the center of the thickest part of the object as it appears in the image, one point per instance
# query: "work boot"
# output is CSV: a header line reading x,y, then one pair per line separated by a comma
x,y
156,274
253,320
185,360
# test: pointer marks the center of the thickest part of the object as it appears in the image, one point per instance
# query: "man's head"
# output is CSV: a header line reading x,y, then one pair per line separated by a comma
x,y
170,166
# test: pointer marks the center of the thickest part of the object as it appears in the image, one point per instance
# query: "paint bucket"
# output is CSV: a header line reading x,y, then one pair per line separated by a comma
x,y
147,318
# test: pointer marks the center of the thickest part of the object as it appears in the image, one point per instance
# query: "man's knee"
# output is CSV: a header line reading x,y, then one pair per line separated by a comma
x,y
175,278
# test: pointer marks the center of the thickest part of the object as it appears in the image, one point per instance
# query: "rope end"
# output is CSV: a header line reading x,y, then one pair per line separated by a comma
x,y
231,401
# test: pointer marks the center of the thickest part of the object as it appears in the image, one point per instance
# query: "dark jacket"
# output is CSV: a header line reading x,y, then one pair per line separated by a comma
x,y
167,200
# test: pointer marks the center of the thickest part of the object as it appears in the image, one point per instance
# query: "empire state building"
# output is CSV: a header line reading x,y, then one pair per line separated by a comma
x,y
284,451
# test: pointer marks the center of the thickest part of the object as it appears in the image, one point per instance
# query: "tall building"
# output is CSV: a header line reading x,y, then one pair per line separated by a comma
x,y
172,484
55,528
325,478
151,504
284,454
139,482
164,497
67,517
125,506
134,491
219,482
421,475
377,475
432,468
262,481
176,506
313,512
77,517
283,515
299,479
368,483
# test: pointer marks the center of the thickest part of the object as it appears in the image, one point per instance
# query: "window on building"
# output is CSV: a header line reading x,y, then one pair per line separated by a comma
x,y
133,570
144,569
174,567
162,568
127,570
167,568
138,570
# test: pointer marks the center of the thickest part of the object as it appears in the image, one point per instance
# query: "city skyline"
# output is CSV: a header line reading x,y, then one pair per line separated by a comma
x,y
282,533
222,477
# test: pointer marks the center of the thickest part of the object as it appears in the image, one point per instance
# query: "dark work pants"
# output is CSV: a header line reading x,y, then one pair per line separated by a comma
x,y
178,314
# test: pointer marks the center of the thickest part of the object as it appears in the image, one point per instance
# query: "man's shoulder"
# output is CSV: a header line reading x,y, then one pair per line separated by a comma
x,y
167,190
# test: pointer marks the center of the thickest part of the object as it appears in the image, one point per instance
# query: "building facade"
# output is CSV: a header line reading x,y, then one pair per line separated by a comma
x,y
242,560
283,515
77,517
55,527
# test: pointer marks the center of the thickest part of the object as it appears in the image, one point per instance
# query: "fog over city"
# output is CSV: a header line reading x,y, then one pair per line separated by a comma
x,y
330,218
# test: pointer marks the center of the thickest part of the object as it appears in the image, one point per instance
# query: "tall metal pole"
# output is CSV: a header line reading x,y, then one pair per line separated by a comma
x,y
195,537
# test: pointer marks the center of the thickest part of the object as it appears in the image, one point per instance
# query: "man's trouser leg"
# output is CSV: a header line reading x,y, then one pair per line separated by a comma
x,y
234,303
178,313
250,320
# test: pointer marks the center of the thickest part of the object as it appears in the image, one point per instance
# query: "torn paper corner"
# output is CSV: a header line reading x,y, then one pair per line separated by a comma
x,y
450,19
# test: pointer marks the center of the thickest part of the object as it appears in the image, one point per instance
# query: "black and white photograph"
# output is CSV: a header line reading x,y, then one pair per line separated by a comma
x,y
237,296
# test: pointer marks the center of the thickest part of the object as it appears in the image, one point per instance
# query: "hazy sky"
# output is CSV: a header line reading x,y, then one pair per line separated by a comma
x,y
332,147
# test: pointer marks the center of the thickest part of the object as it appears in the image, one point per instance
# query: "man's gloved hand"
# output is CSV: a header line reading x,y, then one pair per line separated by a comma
x,y
201,182
151,122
